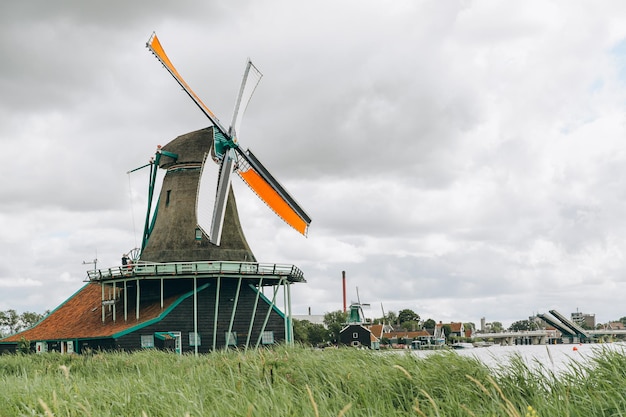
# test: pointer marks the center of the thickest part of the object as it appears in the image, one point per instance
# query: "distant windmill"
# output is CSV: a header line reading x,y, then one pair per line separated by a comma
x,y
215,179
356,310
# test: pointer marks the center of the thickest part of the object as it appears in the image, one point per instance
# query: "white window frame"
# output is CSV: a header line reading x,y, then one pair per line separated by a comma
x,y
232,340
145,342
192,340
267,338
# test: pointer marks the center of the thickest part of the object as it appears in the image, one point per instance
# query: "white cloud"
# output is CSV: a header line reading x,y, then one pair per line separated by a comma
x,y
19,283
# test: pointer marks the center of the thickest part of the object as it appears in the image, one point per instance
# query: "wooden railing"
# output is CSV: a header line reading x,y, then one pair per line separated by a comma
x,y
200,269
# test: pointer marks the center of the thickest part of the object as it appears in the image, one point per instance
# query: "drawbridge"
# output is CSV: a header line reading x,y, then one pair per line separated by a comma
x,y
566,327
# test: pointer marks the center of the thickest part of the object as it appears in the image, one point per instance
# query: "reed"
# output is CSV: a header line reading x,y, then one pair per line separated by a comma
x,y
303,382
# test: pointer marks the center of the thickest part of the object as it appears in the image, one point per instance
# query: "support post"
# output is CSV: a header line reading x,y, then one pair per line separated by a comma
x,y
256,302
125,301
102,300
285,318
137,305
232,314
195,312
114,298
269,311
217,303
290,317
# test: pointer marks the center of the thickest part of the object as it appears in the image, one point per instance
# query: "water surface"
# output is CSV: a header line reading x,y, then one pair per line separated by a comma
x,y
555,358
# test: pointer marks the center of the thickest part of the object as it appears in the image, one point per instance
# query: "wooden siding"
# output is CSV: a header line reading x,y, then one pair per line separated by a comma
x,y
181,319
8,348
364,338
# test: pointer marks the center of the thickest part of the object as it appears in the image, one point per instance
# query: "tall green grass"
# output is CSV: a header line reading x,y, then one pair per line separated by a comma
x,y
303,382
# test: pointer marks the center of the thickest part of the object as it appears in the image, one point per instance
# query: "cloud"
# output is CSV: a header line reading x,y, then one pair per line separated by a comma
x,y
21,283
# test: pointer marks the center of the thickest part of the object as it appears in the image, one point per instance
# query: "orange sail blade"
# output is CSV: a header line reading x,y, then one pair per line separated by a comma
x,y
155,47
274,200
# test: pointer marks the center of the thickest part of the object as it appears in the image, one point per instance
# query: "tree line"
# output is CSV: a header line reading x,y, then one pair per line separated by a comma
x,y
317,334
314,334
405,320
11,322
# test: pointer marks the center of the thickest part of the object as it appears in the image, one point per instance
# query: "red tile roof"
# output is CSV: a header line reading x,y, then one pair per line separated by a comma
x,y
456,327
81,317
377,330
406,335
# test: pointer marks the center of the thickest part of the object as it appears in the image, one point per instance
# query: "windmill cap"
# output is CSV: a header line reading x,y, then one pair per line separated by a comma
x,y
190,148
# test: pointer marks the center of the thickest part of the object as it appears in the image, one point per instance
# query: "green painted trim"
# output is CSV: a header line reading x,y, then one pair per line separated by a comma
x,y
151,179
154,168
161,335
154,216
170,154
268,301
160,316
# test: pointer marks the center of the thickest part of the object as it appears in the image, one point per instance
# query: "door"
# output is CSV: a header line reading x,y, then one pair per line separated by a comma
x,y
67,346
178,346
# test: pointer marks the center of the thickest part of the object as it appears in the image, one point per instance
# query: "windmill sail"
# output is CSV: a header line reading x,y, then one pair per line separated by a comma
x,y
223,187
205,199
268,189
251,78
155,47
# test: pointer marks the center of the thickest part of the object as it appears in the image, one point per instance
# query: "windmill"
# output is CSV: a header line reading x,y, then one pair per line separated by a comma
x,y
356,310
195,285
224,157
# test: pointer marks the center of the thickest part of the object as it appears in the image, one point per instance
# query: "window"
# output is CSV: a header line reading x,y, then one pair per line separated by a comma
x,y
356,343
167,198
355,335
41,347
268,337
147,341
194,339
231,338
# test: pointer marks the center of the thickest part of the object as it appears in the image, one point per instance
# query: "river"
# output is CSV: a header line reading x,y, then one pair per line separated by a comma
x,y
553,358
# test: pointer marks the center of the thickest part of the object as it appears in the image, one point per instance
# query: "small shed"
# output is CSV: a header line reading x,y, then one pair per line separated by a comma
x,y
355,333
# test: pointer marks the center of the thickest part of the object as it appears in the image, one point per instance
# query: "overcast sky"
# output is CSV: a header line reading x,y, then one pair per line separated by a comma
x,y
463,159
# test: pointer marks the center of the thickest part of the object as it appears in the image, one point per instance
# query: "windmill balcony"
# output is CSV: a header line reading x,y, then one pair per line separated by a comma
x,y
204,269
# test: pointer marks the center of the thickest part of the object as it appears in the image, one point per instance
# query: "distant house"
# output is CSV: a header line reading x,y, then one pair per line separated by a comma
x,y
407,338
355,333
379,330
456,328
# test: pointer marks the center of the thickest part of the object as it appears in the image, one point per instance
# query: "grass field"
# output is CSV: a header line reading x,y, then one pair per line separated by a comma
x,y
304,382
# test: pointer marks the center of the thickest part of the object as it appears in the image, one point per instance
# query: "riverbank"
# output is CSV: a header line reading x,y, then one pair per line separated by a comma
x,y
305,382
